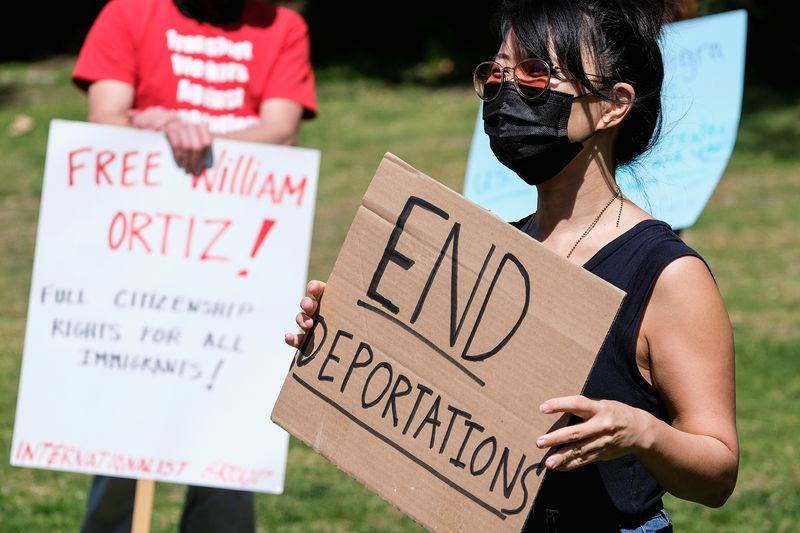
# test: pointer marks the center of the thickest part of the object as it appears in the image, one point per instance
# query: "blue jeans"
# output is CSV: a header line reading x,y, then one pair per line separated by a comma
x,y
660,523
552,521
205,510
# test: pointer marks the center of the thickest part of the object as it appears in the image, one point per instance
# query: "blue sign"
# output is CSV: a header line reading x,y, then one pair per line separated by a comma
x,y
702,102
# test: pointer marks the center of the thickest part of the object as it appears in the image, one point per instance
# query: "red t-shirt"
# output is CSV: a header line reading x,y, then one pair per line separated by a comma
x,y
214,74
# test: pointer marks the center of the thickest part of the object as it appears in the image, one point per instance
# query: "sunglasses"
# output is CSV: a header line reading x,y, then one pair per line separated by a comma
x,y
531,77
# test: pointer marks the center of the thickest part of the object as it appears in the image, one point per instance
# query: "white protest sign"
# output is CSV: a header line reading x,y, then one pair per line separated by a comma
x,y
154,344
702,101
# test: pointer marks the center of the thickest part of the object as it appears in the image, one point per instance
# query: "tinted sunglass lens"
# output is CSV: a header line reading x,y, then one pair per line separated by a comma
x,y
488,79
532,77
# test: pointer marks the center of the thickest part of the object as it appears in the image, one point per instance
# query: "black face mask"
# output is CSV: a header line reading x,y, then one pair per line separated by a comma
x,y
212,11
530,136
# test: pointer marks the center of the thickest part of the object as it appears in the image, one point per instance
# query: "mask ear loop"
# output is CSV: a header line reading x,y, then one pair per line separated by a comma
x,y
583,141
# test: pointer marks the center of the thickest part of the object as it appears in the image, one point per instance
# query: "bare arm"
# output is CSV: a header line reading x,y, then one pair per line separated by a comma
x,y
110,102
687,335
690,341
280,123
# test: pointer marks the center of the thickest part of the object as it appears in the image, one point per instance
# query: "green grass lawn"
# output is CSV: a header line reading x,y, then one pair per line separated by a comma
x,y
748,233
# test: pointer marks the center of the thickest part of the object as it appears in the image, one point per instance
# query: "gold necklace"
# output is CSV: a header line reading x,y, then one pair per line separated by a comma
x,y
597,218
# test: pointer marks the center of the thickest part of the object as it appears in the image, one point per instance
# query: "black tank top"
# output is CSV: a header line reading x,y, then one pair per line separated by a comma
x,y
607,495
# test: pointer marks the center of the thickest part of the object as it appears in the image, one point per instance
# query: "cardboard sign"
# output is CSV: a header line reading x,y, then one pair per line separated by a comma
x,y
702,102
158,303
441,331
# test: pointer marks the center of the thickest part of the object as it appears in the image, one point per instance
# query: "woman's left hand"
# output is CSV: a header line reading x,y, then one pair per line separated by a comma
x,y
609,429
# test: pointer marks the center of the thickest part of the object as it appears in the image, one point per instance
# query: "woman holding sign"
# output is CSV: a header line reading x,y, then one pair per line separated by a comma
x,y
573,94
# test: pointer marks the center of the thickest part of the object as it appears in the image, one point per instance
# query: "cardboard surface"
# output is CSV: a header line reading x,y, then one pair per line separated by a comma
x,y
441,331
154,345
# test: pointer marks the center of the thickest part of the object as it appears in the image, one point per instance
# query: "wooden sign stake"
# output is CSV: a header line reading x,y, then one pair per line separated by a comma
x,y
143,505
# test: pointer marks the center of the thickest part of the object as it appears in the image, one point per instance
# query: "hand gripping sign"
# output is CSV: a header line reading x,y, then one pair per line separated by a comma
x,y
154,344
441,331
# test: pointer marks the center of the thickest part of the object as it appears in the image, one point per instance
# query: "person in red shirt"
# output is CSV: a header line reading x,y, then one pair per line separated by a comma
x,y
198,69
195,70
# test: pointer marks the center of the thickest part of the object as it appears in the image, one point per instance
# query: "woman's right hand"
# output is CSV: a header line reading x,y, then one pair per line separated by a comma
x,y
308,305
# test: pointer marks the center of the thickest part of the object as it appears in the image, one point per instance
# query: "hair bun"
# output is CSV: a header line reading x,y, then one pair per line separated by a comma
x,y
675,10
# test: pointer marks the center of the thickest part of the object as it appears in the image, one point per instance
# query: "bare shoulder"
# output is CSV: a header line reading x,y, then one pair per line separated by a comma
x,y
686,279
684,293
686,326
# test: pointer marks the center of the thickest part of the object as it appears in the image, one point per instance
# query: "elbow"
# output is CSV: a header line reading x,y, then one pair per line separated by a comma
x,y
720,490
724,492
274,131
717,500
266,134
287,136
96,117
709,489
290,139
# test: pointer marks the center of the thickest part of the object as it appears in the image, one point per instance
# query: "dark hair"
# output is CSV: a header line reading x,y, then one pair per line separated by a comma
x,y
622,38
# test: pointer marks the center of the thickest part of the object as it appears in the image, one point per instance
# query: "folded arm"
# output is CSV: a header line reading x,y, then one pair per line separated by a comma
x,y
111,102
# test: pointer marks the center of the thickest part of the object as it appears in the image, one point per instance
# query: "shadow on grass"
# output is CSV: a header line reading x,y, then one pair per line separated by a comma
x,y
8,94
770,123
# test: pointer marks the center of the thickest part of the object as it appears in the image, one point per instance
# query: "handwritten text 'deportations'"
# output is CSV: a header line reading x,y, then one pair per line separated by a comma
x,y
441,331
